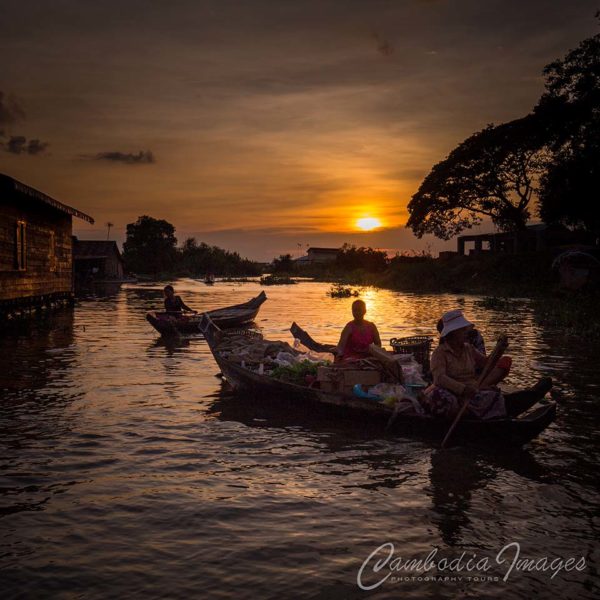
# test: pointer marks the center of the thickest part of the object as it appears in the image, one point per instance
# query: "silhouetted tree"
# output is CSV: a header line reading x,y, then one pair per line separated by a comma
x,y
570,112
350,258
200,258
493,174
283,264
150,246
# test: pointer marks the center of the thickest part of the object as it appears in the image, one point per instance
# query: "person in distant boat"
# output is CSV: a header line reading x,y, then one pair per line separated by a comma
x,y
357,335
454,365
173,303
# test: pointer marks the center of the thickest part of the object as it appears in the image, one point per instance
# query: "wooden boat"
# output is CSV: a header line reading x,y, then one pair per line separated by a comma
x,y
512,431
230,316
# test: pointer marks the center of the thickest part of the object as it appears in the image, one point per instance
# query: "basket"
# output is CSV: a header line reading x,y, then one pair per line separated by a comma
x,y
417,345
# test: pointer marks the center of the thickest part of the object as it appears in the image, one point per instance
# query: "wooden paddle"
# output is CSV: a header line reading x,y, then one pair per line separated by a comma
x,y
492,361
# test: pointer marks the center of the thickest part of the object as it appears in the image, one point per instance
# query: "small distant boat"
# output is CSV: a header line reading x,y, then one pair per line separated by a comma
x,y
209,280
229,316
514,430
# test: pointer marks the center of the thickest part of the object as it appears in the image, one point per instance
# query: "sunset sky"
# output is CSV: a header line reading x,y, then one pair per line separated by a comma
x,y
261,125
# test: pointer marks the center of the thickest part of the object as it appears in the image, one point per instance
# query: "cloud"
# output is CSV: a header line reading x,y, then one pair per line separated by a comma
x,y
18,144
384,46
36,147
10,109
129,158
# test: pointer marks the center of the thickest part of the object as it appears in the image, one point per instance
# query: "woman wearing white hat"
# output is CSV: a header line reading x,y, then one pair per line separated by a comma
x,y
454,365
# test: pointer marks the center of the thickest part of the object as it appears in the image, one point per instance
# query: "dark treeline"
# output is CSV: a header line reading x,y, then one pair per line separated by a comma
x,y
349,259
151,249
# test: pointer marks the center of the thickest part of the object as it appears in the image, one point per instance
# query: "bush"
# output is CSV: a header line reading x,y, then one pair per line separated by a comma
x,y
340,291
274,280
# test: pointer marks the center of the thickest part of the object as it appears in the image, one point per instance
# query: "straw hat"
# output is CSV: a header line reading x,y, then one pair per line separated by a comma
x,y
453,320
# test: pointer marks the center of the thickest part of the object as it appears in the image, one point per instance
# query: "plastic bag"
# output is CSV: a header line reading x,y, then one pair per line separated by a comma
x,y
286,359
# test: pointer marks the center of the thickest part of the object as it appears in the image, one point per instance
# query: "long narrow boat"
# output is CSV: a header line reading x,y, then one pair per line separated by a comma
x,y
512,431
229,316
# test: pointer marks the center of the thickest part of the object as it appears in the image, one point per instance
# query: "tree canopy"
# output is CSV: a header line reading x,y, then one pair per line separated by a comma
x,y
150,246
551,156
491,174
200,258
570,112
350,257
283,264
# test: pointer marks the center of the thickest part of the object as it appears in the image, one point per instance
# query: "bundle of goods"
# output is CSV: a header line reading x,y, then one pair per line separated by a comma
x,y
342,379
278,359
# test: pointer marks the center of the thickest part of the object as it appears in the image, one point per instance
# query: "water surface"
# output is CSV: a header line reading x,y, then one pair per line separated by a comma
x,y
128,469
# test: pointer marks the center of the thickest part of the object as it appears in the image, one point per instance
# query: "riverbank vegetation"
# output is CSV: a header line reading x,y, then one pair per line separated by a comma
x,y
277,280
574,313
151,249
500,275
341,291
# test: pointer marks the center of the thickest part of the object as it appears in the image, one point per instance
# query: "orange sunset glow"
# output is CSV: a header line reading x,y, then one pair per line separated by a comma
x,y
258,126
368,223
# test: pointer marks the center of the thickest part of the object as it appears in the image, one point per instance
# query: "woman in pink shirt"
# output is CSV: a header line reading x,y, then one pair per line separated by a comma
x,y
357,335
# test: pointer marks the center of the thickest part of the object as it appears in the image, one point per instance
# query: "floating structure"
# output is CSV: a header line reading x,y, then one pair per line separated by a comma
x,y
319,255
533,238
97,261
36,248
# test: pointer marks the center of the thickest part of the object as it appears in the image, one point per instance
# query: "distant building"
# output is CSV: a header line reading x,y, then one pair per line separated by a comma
x,y
97,260
319,255
36,254
533,238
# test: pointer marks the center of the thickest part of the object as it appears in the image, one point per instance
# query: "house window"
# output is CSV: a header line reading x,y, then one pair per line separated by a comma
x,y
21,246
52,252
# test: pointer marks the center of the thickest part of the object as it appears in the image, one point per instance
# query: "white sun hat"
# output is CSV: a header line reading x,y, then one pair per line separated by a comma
x,y
453,320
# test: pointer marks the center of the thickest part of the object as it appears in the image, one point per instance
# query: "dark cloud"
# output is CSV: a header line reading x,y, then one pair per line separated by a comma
x,y
384,46
129,158
36,147
10,109
18,144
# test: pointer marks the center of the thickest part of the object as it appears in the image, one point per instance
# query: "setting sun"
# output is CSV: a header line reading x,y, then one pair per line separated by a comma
x,y
368,223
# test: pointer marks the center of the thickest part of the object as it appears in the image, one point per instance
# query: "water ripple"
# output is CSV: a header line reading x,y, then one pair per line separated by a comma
x,y
128,470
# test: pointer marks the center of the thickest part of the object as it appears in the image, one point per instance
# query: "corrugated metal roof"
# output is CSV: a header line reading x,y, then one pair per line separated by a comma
x,y
12,185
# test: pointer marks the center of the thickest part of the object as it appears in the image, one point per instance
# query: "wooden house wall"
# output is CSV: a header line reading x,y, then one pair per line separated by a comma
x,y
113,267
49,256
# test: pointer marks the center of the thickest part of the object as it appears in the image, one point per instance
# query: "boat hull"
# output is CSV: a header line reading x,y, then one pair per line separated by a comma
x,y
511,432
231,316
